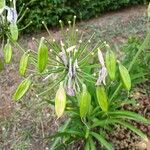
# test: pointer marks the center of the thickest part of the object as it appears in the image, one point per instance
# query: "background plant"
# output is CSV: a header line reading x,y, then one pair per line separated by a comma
x,y
51,11
141,67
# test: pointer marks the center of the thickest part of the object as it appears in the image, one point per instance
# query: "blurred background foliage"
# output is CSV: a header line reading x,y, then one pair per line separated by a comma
x,y
51,11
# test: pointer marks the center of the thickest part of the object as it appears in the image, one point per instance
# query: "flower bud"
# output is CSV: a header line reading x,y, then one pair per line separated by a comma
x,y
2,5
14,31
60,101
85,102
7,52
111,64
22,89
125,77
23,64
102,98
42,56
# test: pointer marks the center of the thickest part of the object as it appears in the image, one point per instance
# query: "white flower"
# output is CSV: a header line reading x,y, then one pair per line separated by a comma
x,y
11,15
100,57
103,72
70,49
102,76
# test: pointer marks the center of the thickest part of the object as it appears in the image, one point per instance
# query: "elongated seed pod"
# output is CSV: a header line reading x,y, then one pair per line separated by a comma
x,y
23,64
111,64
125,77
7,52
85,102
14,31
60,101
102,98
2,4
22,89
42,56
148,11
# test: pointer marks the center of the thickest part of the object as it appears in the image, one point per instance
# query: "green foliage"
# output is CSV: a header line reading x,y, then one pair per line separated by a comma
x,y
51,11
140,71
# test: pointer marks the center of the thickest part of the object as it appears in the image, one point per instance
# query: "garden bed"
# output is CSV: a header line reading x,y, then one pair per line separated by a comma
x,y
24,125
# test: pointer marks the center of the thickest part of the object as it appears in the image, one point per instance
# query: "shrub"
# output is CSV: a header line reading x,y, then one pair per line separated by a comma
x,y
51,11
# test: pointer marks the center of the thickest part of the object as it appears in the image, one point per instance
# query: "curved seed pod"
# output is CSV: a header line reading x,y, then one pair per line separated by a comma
x,y
22,89
125,77
85,102
14,31
60,101
7,52
102,98
23,64
111,64
42,56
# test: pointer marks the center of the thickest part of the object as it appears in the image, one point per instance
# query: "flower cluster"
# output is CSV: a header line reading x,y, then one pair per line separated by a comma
x,y
11,11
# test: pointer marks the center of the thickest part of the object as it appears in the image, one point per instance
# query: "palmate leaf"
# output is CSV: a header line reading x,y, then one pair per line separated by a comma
x,y
102,141
129,126
130,115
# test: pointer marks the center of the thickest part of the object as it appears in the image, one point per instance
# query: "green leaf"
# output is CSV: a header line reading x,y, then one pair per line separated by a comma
x,y
62,128
22,89
131,127
1,65
87,145
129,115
101,123
92,144
102,141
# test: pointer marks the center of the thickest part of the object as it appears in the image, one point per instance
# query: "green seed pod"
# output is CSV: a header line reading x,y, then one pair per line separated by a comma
x,y
102,98
85,102
7,52
148,11
60,101
42,56
111,64
14,31
125,77
2,4
23,64
22,89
